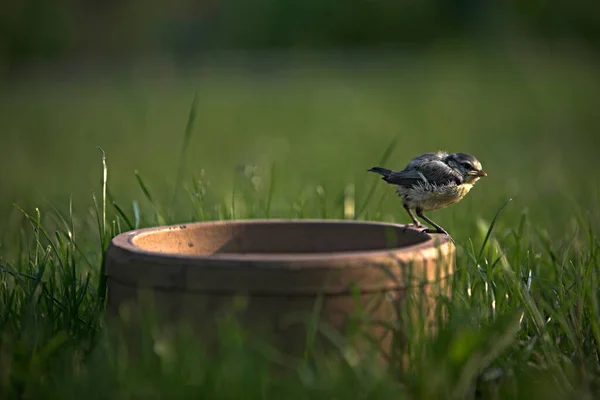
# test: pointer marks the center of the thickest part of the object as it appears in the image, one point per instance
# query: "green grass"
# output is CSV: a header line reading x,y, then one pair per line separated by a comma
x,y
294,142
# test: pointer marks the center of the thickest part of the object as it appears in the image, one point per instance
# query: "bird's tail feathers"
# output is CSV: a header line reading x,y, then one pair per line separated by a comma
x,y
381,171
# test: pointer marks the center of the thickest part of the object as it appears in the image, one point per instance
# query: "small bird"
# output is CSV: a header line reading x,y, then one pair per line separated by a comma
x,y
432,181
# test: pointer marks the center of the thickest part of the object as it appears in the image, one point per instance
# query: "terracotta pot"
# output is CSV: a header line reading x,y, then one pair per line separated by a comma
x,y
282,267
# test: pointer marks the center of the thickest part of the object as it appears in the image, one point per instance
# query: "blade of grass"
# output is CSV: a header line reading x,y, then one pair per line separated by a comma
x,y
271,191
136,213
159,216
489,231
123,215
189,128
384,157
36,223
103,234
312,327
104,180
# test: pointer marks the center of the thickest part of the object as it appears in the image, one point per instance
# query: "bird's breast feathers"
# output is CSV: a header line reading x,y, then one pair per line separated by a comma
x,y
431,197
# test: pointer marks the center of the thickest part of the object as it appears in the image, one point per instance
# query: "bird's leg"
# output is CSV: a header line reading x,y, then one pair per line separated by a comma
x,y
412,216
438,228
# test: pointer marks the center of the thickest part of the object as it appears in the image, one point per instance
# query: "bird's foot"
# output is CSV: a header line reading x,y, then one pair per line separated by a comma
x,y
419,226
438,230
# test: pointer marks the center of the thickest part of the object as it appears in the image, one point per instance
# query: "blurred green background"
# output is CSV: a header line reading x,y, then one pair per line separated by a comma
x,y
34,30
302,96
317,88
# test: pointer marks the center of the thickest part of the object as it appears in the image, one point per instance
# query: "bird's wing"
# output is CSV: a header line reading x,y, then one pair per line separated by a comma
x,y
425,158
434,172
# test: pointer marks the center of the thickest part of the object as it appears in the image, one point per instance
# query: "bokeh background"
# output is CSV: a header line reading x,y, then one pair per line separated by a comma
x,y
294,101
314,90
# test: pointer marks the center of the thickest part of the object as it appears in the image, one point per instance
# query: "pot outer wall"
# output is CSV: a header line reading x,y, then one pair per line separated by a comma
x,y
362,294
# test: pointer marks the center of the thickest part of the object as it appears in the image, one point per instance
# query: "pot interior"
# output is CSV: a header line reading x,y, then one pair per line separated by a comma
x,y
276,237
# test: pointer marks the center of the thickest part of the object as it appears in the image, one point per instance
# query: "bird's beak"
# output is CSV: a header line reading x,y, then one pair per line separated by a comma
x,y
480,173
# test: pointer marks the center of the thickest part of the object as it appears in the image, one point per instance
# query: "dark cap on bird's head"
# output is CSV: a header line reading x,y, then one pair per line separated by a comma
x,y
466,164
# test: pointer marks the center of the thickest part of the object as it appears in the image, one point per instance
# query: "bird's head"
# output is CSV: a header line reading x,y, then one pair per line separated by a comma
x,y
466,165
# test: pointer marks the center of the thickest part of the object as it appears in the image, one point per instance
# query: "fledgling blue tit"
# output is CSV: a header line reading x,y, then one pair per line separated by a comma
x,y
432,181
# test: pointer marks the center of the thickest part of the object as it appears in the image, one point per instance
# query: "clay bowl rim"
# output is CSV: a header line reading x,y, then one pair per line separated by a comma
x,y
438,243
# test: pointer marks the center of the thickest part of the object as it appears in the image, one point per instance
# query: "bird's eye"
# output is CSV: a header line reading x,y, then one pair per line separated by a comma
x,y
467,165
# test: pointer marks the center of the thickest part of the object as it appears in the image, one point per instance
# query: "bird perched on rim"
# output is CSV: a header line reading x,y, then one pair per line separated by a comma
x,y
432,181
